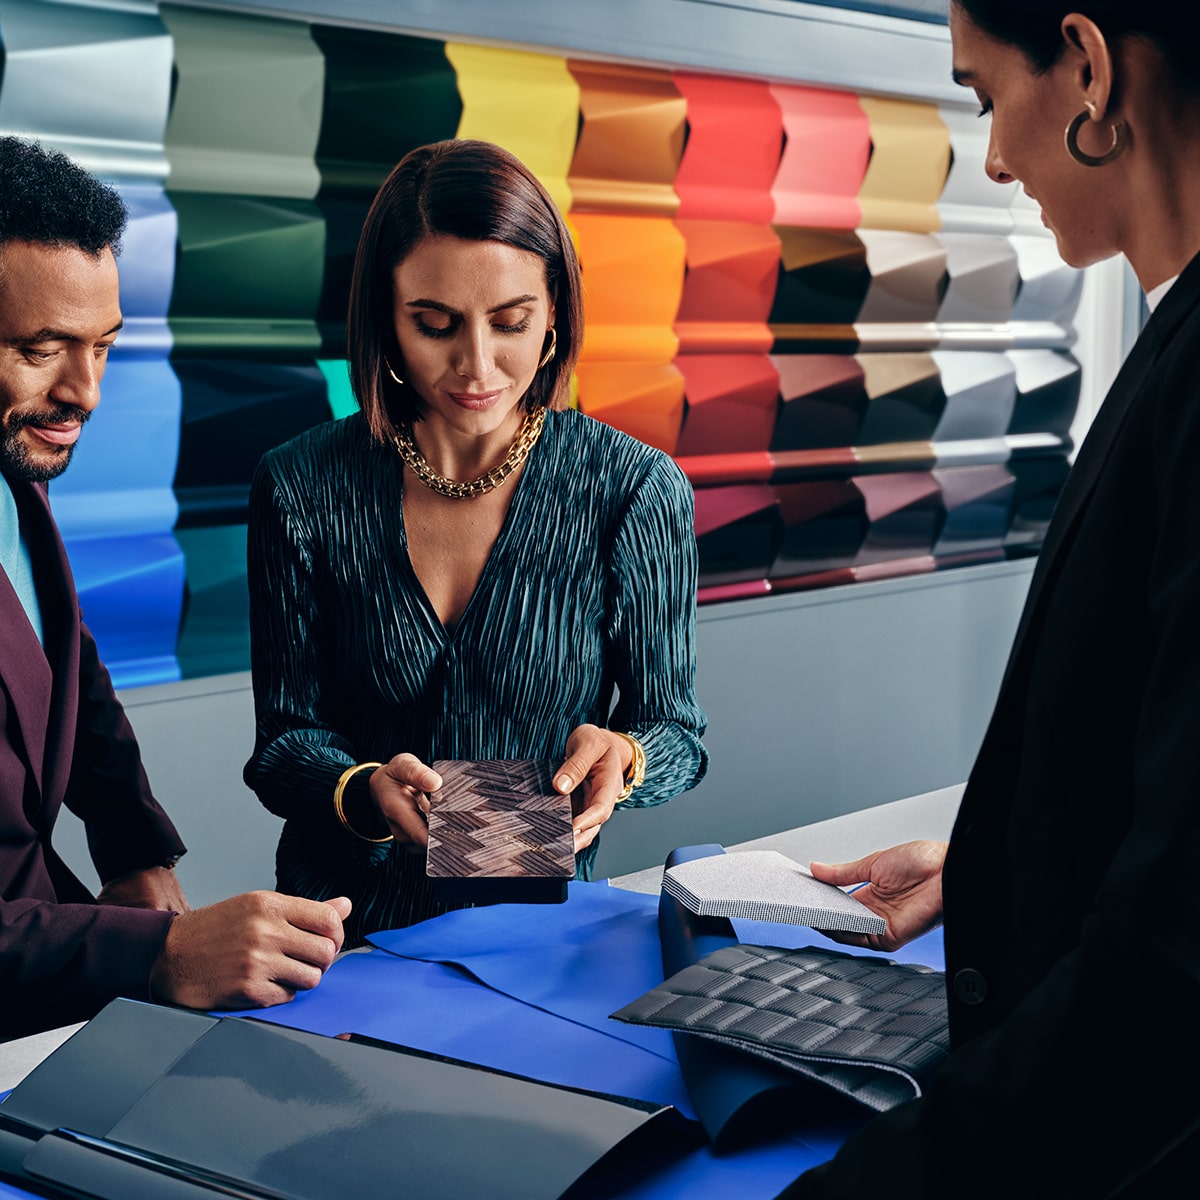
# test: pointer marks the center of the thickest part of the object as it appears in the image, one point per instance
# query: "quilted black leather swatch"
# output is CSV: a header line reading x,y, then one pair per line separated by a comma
x,y
870,1028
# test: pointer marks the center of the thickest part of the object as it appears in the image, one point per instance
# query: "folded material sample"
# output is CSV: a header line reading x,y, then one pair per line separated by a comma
x,y
764,885
870,1028
151,1102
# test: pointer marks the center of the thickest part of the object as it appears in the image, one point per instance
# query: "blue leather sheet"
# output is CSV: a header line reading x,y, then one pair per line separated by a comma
x,y
552,975
442,1010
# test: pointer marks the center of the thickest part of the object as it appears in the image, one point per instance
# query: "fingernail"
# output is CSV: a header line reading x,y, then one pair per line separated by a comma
x,y
563,783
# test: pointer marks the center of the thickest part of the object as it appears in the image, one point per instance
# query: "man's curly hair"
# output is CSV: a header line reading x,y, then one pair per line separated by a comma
x,y
47,198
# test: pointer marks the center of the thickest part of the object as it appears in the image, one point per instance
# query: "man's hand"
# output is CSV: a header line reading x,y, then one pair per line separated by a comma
x,y
252,951
903,885
151,887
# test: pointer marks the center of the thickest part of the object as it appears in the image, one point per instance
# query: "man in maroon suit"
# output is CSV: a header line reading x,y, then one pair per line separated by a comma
x,y
64,738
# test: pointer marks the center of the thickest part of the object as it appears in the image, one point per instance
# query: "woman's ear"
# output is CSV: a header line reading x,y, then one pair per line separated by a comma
x,y
1091,61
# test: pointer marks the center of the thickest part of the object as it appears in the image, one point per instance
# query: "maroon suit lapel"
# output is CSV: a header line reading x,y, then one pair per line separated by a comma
x,y
43,684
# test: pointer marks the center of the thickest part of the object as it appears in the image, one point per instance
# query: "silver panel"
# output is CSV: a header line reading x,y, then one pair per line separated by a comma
x,y
774,39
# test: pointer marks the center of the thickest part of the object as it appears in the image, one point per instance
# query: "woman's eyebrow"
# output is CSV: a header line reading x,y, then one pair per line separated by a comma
x,y
962,78
438,306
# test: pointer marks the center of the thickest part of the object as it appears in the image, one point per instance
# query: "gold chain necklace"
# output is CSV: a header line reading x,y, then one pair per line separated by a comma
x,y
518,452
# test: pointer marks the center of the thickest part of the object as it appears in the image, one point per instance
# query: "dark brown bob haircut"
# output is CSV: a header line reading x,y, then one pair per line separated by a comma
x,y
465,189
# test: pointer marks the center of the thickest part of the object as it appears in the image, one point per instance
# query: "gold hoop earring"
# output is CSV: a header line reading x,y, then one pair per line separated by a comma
x,y
391,372
1093,160
550,350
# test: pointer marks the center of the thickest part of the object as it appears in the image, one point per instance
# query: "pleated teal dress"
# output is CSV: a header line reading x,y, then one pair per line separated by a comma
x,y
585,612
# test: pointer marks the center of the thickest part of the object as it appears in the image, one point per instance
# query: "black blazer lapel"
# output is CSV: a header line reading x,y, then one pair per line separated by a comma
x,y
1098,445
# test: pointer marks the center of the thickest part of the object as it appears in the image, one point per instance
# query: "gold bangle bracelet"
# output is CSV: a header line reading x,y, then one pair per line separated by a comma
x,y
339,792
637,766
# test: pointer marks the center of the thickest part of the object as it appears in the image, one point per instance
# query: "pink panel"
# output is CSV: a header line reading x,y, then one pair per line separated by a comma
x,y
735,136
824,159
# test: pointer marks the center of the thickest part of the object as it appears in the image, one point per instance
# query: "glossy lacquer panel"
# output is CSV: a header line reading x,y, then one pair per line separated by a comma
x,y
93,81
385,94
528,103
631,132
734,143
633,267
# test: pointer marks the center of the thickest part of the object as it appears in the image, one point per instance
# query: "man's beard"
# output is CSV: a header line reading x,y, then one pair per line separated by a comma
x,y
15,458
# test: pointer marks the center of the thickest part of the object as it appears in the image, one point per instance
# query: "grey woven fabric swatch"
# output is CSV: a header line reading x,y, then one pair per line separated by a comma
x,y
872,1029
764,885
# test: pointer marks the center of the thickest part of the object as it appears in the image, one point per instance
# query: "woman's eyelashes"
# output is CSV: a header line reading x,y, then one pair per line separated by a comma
x,y
453,324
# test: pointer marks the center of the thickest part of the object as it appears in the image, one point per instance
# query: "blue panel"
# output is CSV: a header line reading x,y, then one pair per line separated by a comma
x,y
131,592
119,482
147,267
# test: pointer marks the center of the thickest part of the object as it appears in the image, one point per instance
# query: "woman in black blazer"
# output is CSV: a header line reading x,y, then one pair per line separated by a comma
x,y
1072,923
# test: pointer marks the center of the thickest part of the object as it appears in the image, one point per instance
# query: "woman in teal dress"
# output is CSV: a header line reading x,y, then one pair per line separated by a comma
x,y
466,569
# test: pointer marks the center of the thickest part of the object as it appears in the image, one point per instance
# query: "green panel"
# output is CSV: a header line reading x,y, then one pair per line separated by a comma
x,y
337,376
384,95
246,112
249,274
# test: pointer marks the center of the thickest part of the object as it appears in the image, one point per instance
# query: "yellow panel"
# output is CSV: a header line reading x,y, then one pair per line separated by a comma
x,y
527,103
910,159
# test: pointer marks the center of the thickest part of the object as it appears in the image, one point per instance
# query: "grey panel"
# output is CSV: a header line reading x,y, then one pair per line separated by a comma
x,y
778,39
1050,290
908,271
247,108
970,200
92,82
981,390
984,277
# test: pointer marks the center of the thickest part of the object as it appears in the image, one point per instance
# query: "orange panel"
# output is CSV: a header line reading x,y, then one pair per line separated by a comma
x,y
824,160
642,399
910,161
632,283
735,139
630,139
732,270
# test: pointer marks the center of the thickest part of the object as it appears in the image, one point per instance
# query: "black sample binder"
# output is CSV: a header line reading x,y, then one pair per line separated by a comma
x,y
146,1101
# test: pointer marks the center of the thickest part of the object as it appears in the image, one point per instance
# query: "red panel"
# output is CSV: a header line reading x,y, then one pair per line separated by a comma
x,y
735,137
731,403
726,468
720,506
732,270
824,160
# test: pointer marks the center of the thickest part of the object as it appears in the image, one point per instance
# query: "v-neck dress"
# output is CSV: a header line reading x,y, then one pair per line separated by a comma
x,y
584,612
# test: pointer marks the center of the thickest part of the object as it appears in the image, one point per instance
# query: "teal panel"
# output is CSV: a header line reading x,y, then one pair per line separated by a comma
x,y
337,376
215,636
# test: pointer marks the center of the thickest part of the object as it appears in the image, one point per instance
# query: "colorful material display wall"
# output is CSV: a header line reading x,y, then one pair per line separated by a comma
x,y
855,345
